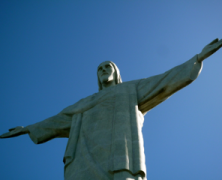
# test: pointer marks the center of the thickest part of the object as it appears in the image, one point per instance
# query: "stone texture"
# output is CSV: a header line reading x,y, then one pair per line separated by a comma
x,y
105,129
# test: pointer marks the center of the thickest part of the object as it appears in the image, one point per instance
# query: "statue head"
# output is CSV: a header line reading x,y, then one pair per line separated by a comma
x,y
108,73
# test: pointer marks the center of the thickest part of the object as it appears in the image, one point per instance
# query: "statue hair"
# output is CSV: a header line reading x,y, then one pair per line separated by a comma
x,y
118,78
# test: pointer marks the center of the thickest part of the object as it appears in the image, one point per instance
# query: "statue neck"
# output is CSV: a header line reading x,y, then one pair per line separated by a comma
x,y
108,84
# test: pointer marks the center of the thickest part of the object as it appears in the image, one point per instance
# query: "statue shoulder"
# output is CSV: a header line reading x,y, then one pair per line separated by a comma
x,y
76,107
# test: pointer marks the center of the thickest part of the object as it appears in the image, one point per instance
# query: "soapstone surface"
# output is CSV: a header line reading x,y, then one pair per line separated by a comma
x,y
105,129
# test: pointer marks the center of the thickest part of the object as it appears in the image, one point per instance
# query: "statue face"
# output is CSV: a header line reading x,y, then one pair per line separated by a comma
x,y
106,72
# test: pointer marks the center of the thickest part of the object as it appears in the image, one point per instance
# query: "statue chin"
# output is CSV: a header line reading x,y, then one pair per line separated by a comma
x,y
106,79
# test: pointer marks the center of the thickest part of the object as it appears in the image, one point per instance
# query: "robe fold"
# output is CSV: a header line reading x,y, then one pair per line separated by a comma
x,y
105,129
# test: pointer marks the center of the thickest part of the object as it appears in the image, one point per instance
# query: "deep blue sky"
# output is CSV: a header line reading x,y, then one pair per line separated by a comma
x,y
49,52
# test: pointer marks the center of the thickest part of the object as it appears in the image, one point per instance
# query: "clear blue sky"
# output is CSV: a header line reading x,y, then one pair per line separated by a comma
x,y
49,52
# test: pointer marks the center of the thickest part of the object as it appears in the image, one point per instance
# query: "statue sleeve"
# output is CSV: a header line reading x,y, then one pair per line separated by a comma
x,y
154,90
53,127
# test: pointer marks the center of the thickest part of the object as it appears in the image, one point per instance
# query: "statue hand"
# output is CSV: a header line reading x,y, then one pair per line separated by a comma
x,y
13,132
210,49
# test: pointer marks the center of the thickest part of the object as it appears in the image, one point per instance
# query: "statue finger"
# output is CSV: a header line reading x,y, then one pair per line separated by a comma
x,y
214,41
218,45
18,127
11,129
6,135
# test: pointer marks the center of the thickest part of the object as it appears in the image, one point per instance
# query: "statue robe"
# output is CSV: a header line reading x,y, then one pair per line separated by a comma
x,y
105,129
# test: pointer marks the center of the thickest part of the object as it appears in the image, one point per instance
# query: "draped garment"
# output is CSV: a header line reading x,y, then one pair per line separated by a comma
x,y
105,129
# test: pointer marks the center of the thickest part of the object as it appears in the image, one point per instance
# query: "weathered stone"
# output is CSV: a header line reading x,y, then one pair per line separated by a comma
x,y
105,129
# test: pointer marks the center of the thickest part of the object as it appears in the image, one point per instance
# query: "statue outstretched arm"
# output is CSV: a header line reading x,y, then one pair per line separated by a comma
x,y
154,90
54,127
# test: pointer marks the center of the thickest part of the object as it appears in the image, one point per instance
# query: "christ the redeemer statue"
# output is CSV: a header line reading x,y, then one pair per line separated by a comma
x,y
105,129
